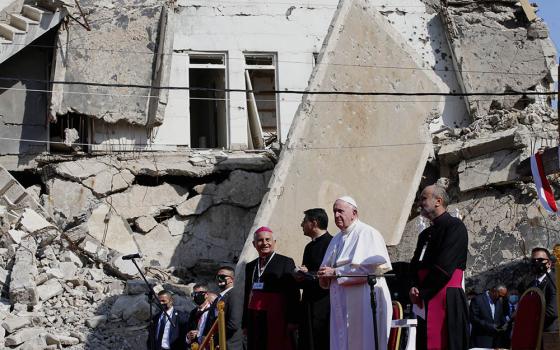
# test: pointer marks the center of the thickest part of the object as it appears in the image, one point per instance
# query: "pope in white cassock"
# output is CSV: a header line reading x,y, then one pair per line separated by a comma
x,y
358,249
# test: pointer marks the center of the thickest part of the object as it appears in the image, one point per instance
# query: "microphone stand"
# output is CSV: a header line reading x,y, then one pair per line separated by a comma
x,y
152,296
372,281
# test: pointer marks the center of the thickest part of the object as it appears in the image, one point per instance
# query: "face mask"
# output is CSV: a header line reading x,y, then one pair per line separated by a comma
x,y
222,281
513,299
538,267
199,298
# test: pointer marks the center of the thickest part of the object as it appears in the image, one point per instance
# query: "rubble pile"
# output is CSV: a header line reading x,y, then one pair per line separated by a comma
x,y
53,297
172,208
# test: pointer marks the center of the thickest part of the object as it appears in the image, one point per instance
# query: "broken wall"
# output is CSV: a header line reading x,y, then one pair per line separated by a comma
x,y
353,145
23,117
125,46
497,49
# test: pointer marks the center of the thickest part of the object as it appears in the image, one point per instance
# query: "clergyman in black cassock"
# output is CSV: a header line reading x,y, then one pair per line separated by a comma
x,y
438,265
314,327
270,308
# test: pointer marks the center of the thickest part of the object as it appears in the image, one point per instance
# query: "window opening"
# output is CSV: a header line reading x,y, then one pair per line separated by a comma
x,y
70,133
260,77
208,108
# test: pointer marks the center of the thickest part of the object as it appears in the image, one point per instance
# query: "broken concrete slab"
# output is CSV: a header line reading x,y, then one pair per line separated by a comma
x,y
491,169
59,339
195,205
109,181
111,230
23,288
32,222
143,200
16,236
12,323
146,223
452,153
158,247
359,138
23,335
68,201
179,225
245,189
49,290
96,321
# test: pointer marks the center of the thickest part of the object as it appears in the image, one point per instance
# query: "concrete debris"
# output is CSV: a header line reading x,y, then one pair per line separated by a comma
x,y
195,205
68,202
23,288
143,200
49,290
24,335
111,230
495,168
70,136
145,224
158,246
109,181
12,323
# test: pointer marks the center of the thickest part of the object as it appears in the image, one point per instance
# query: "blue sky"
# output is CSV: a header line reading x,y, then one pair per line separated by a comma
x,y
549,10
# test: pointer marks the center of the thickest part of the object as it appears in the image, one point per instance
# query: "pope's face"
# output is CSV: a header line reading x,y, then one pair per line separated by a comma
x,y
344,214
264,243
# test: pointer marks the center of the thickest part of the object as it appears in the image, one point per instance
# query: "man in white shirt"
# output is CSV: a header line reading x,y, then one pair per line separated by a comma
x,y
358,249
164,334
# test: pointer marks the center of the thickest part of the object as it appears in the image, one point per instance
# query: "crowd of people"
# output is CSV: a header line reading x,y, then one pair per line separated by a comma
x,y
325,303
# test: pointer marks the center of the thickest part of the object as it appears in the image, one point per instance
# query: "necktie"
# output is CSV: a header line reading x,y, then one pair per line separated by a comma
x,y
161,328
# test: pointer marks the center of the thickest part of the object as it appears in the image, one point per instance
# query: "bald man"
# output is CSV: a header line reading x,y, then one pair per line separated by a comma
x,y
438,266
358,249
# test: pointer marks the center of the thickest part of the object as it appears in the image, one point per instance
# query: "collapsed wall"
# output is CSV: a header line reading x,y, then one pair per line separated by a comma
x,y
64,283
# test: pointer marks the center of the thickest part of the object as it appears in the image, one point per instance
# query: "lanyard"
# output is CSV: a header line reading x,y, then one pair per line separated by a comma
x,y
258,268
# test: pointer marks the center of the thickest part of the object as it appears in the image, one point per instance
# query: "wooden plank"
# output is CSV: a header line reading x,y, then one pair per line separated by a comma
x,y
529,10
551,164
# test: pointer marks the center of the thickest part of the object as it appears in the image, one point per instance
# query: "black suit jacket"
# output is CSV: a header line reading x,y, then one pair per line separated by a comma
x,y
551,312
484,333
232,312
177,334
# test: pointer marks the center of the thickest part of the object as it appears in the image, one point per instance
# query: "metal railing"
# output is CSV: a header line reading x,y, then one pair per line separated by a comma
x,y
218,326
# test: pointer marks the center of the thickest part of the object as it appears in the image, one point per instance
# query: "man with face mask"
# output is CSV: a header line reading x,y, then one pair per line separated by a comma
x,y
164,334
232,309
200,298
541,266
489,319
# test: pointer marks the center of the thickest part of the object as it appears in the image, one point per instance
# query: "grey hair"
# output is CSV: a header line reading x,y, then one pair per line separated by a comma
x,y
271,235
440,192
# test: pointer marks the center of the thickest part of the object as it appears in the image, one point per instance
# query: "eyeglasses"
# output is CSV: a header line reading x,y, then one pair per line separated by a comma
x,y
222,277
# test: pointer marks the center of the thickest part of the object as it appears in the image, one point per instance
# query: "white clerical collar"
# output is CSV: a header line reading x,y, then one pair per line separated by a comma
x,y
350,228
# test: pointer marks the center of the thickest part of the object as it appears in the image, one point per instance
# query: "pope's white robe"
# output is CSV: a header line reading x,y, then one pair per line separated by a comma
x,y
359,250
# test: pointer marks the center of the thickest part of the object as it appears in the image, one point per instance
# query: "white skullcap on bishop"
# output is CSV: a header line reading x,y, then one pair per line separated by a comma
x,y
348,200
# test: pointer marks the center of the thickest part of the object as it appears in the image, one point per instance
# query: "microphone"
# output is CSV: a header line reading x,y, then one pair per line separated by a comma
x,y
132,256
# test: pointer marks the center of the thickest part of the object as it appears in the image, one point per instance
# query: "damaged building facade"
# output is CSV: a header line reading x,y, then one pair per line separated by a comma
x,y
155,145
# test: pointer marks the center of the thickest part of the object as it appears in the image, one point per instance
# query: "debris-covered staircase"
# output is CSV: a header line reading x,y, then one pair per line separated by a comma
x,y
23,24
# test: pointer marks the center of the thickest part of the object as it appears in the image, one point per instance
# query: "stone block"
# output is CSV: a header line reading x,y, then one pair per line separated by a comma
x,y
124,267
145,224
23,335
96,274
112,230
3,277
68,269
453,153
32,222
158,246
491,169
58,339
96,321
54,273
70,256
135,287
195,205
49,290
12,323
22,283
16,235
178,225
